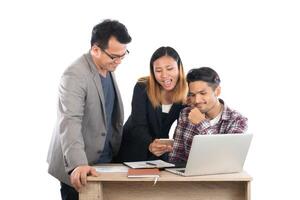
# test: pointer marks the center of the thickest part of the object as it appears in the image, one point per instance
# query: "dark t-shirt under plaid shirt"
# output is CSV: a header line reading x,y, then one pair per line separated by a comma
x,y
230,122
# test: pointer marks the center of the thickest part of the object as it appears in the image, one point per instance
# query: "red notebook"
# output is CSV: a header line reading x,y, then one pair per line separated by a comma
x,y
143,173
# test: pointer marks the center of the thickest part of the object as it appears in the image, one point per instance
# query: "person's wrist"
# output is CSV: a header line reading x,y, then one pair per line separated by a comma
x,y
150,147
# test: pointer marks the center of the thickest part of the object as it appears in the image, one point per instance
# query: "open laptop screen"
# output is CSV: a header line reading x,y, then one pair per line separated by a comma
x,y
215,154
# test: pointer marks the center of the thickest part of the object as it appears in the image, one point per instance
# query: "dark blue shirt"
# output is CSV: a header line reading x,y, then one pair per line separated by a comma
x,y
109,96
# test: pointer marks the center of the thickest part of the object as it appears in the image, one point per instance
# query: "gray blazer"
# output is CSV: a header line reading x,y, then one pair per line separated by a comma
x,y
80,133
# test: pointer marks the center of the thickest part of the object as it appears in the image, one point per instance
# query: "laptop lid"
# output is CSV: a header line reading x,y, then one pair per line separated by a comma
x,y
215,154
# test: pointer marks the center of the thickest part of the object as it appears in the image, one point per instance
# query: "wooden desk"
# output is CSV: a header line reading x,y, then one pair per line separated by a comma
x,y
116,186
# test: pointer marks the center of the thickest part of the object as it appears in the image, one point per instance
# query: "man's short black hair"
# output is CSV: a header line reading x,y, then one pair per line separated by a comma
x,y
103,31
205,74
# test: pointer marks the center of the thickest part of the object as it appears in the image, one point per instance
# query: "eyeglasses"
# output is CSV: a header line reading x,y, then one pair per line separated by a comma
x,y
114,57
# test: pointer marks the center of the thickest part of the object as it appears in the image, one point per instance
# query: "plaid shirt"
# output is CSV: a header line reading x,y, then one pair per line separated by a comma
x,y
230,122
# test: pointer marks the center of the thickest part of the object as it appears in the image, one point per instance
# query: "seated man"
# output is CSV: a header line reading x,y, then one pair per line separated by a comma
x,y
206,113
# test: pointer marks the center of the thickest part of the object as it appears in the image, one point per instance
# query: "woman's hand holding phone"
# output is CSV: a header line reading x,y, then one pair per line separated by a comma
x,y
161,146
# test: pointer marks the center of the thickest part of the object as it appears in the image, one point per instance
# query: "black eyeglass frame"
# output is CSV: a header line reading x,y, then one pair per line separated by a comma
x,y
114,58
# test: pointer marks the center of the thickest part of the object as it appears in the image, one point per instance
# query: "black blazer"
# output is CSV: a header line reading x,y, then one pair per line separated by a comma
x,y
143,126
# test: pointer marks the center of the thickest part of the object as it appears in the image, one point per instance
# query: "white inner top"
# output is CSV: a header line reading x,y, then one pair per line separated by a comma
x,y
216,119
166,108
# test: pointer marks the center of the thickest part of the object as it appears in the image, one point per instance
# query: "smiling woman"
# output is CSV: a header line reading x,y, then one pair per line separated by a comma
x,y
165,87
166,74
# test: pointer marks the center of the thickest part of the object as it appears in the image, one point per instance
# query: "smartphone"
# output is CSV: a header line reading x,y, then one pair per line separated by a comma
x,y
166,141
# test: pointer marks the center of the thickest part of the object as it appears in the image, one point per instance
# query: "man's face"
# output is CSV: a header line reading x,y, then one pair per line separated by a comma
x,y
108,59
202,96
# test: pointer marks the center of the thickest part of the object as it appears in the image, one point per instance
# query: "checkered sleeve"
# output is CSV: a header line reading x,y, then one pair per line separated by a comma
x,y
237,125
177,155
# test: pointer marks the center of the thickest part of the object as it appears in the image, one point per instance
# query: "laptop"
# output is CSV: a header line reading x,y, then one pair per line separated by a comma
x,y
216,154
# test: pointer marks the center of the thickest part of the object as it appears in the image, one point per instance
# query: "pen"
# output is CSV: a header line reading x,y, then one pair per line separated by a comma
x,y
150,163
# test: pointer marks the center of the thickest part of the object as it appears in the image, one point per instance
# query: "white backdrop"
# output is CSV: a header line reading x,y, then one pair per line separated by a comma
x,y
254,45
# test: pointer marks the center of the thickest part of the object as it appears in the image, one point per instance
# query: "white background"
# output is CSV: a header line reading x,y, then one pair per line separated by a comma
x,y
254,45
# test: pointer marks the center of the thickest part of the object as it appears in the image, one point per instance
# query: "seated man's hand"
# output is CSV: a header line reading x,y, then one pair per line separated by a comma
x,y
79,174
195,116
158,148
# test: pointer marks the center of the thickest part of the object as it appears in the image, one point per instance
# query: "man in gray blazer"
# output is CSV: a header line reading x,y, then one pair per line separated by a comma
x,y
90,110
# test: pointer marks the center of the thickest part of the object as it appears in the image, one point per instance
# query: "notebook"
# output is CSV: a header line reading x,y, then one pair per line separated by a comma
x,y
216,154
149,164
134,173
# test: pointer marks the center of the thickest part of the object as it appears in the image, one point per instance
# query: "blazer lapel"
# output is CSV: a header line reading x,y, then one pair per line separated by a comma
x,y
172,114
98,84
158,111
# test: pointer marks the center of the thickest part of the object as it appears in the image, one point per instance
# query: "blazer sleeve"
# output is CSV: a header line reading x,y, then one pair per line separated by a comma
x,y
138,131
72,92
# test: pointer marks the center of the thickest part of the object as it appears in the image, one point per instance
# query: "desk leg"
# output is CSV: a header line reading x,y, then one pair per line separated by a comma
x,y
92,191
248,190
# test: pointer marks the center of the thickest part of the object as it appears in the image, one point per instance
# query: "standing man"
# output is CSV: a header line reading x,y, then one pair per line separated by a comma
x,y
206,114
90,110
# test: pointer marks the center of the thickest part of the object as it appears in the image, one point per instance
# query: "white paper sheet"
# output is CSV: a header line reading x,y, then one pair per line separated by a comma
x,y
107,169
